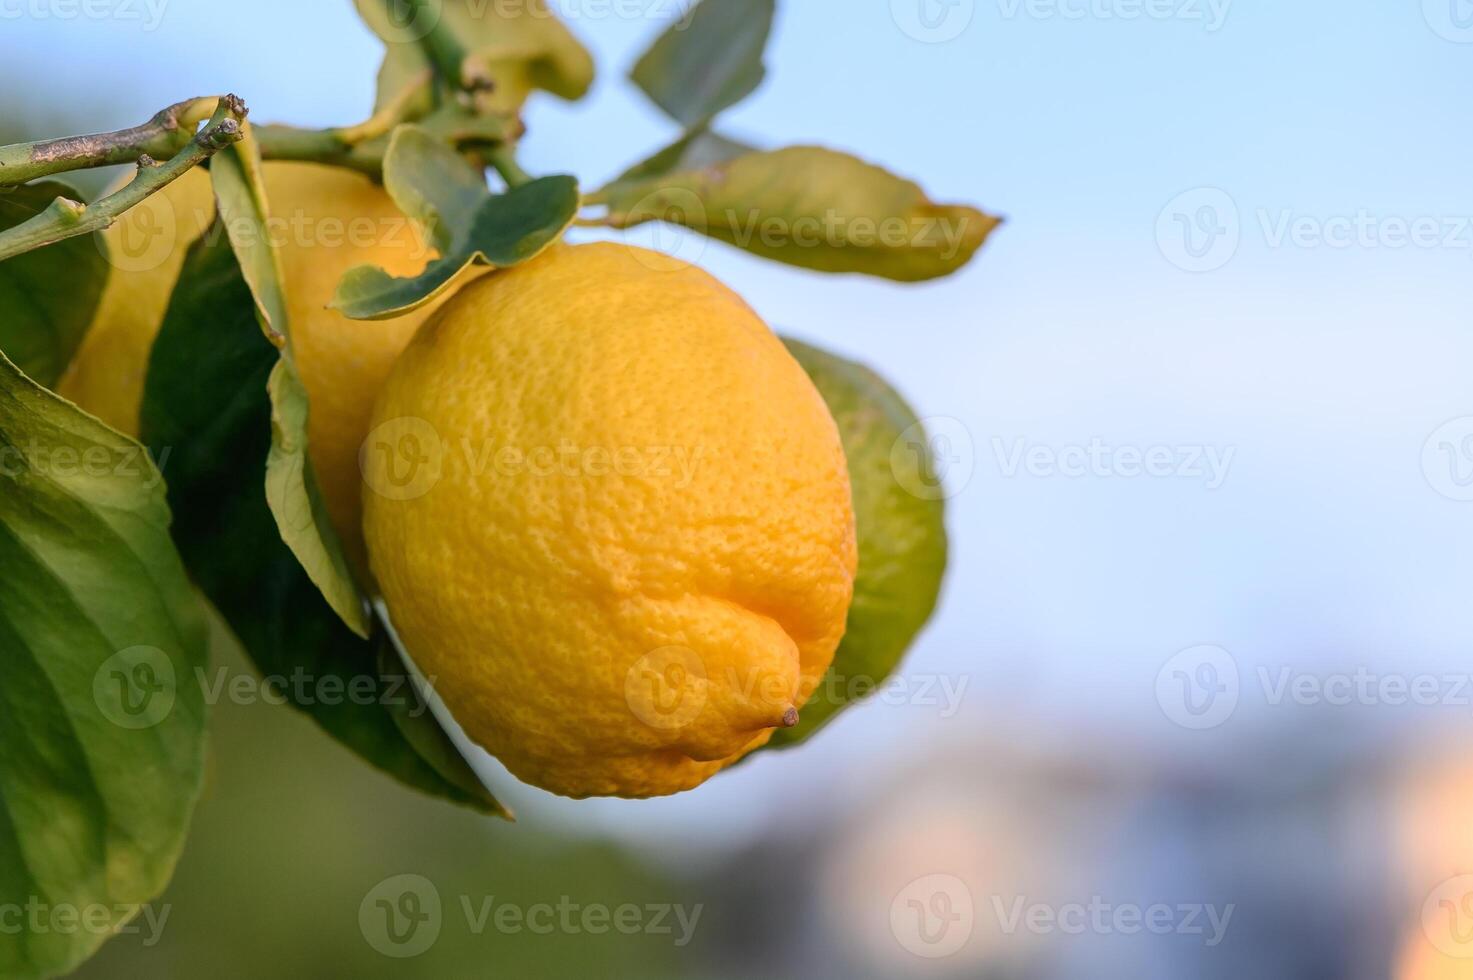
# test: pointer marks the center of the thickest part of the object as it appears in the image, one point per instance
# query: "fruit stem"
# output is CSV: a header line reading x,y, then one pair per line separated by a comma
x,y
65,218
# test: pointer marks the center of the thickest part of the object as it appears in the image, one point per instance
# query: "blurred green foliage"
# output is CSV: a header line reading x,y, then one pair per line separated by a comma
x,y
294,831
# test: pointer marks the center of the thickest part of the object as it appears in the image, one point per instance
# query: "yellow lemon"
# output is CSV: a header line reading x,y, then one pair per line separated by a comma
x,y
611,520
146,247
325,220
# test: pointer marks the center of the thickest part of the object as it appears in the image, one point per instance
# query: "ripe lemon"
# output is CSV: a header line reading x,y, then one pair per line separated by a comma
x,y
325,220
899,514
610,517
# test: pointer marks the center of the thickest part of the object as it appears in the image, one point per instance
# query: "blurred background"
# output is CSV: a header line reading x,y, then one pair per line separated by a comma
x,y
1198,701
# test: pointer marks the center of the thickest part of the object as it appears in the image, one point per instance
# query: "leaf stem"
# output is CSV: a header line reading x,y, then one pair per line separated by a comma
x,y
65,218
504,160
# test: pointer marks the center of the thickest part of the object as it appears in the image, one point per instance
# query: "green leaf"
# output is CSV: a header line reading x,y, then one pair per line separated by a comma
x,y
902,534
206,396
49,295
296,502
504,49
708,61
240,195
503,230
432,184
291,488
695,150
810,207
101,713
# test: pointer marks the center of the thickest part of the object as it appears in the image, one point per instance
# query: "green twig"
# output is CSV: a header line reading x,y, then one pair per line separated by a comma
x,y
169,131
451,124
65,218
339,145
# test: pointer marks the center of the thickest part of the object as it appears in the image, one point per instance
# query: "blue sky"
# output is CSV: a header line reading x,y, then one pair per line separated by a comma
x,y
1322,369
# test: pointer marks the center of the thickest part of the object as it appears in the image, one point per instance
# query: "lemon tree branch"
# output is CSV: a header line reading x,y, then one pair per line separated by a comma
x,y
168,132
65,218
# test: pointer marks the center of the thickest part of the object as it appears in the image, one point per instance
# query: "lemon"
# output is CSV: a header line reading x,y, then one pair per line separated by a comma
x,y
899,518
146,247
610,517
325,220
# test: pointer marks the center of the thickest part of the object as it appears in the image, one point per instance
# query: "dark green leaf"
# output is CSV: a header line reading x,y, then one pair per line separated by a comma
x,y
809,207
708,61
47,296
902,535
206,397
504,229
102,716
291,488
